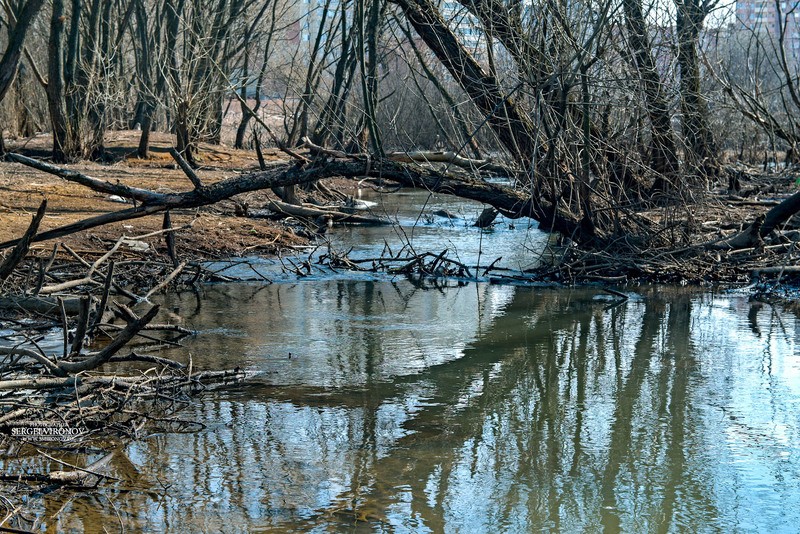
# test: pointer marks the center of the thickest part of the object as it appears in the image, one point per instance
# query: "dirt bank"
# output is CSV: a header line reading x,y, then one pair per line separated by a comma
x,y
216,231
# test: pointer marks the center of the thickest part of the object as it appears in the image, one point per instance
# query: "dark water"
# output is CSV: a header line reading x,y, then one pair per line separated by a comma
x,y
476,409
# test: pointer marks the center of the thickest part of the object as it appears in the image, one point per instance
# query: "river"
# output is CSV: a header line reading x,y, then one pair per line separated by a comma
x,y
383,404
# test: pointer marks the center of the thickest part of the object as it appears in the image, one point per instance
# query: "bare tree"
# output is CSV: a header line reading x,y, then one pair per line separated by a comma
x,y
19,20
700,145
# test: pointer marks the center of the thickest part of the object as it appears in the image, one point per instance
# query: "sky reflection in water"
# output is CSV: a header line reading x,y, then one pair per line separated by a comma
x,y
488,409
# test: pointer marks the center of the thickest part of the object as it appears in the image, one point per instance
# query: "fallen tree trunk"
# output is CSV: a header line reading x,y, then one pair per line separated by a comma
x,y
40,304
510,202
763,225
314,213
453,159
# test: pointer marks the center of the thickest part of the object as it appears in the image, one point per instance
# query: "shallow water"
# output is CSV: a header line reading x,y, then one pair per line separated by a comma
x,y
420,227
385,404
477,409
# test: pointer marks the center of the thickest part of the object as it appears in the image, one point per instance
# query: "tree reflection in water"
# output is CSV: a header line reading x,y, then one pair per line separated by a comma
x,y
480,409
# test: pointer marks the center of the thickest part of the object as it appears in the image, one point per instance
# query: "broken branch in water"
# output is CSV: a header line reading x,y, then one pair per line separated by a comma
x,y
324,214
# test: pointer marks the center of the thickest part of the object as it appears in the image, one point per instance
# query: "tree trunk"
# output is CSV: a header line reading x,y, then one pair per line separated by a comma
x,y
182,133
368,21
696,130
16,38
9,63
145,107
509,201
56,101
313,71
143,150
332,115
512,126
245,120
663,150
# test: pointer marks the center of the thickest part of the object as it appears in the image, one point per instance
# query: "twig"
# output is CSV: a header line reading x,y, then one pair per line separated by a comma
x,y
166,281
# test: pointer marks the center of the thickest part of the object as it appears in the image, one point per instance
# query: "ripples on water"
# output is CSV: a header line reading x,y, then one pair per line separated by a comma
x,y
489,409
473,409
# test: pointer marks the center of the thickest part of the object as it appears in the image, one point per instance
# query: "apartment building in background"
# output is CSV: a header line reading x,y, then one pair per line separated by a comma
x,y
769,17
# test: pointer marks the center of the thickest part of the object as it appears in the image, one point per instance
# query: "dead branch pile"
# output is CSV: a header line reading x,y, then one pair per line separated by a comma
x,y
102,384
88,299
405,261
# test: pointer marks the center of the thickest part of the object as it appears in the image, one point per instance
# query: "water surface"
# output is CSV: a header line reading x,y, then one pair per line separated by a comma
x,y
479,408
383,404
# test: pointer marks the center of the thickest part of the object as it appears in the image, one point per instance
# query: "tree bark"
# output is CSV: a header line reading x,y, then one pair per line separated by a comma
x,y
16,38
694,119
664,153
56,100
512,126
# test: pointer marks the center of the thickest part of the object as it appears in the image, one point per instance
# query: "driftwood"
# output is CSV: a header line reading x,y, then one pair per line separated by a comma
x,y
101,186
79,476
96,360
72,305
453,159
307,211
762,226
486,218
75,398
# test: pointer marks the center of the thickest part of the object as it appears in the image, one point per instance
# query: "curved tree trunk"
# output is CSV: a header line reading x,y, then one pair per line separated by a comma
x,y
512,126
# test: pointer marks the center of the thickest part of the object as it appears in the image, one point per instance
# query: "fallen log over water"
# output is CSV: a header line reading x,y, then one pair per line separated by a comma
x,y
507,200
634,241
325,214
40,305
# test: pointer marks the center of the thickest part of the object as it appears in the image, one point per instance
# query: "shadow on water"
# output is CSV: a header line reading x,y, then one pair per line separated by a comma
x,y
476,409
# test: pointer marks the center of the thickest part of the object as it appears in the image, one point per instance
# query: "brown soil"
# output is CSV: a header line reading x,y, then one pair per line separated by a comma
x,y
216,231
